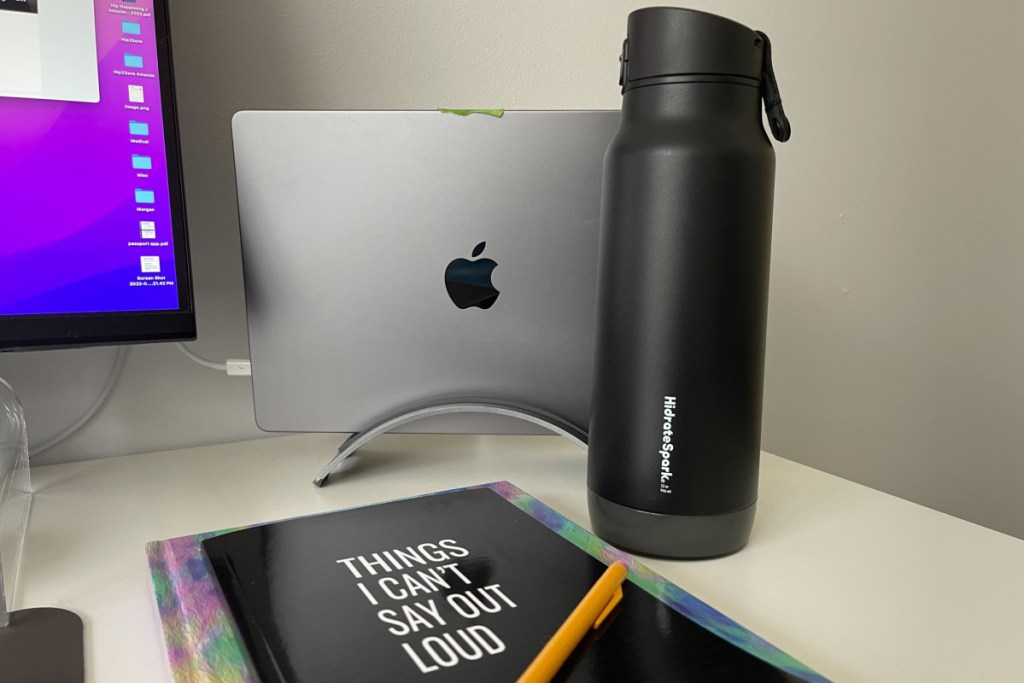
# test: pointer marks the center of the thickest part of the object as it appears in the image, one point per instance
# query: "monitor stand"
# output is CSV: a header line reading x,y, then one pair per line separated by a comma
x,y
44,643
448,406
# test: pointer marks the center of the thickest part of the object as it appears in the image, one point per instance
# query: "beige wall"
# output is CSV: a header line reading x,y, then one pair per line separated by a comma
x,y
896,323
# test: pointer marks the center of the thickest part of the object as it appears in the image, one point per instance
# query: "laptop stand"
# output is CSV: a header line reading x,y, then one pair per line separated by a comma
x,y
446,407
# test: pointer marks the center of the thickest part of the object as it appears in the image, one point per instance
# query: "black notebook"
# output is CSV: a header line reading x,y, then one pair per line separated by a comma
x,y
464,585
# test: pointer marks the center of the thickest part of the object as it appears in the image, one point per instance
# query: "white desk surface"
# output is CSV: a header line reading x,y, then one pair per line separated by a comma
x,y
859,585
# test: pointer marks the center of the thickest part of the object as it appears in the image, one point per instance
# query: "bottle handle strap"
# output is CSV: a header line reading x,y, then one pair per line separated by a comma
x,y
777,120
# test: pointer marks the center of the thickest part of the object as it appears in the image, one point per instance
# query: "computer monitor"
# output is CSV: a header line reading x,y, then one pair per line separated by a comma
x,y
93,246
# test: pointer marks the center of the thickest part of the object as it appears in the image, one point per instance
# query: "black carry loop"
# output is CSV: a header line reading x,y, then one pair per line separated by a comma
x,y
770,92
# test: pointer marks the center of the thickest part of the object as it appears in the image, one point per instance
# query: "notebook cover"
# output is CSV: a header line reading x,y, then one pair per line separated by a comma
x,y
464,585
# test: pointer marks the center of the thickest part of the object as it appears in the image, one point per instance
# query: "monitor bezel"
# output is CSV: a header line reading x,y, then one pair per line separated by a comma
x,y
72,330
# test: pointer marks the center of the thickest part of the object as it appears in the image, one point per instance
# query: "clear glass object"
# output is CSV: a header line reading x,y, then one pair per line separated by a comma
x,y
15,495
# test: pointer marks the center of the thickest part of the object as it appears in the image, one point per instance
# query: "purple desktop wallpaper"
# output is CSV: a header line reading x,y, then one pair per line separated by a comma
x,y
85,222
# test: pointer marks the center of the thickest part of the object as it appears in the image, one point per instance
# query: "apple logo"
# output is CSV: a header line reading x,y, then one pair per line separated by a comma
x,y
469,282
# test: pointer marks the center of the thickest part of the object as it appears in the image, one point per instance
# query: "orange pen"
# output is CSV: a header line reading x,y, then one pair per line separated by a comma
x,y
595,606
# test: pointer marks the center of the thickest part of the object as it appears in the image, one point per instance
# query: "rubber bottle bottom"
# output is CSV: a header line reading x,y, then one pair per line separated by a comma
x,y
681,537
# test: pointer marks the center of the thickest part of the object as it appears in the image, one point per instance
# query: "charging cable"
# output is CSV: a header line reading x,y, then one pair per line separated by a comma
x,y
108,388
236,367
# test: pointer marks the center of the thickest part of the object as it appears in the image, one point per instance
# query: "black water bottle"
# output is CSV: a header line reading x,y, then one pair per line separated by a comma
x,y
686,219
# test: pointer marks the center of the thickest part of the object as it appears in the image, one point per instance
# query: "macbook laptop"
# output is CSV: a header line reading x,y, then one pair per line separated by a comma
x,y
393,258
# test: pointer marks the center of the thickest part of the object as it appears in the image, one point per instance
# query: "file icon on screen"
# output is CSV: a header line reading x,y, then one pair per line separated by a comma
x,y
133,61
150,264
138,128
131,28
145,197
141,162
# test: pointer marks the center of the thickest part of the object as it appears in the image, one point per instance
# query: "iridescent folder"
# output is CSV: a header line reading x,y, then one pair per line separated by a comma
x,y
462,585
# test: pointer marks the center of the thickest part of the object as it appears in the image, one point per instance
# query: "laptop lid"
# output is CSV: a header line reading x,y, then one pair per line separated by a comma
x,y
397,257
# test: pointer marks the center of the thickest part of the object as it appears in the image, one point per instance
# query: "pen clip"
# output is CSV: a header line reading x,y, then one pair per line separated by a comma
x,y
613,601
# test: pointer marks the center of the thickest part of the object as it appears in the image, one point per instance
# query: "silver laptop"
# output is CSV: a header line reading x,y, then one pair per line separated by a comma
x,y
396,258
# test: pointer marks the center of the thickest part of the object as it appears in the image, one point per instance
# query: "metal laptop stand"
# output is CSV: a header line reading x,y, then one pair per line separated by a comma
x,y
43,643
447,406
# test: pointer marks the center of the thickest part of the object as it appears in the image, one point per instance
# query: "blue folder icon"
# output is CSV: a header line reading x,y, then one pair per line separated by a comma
x,y
132,28
133,61
145,197
142,162
138,128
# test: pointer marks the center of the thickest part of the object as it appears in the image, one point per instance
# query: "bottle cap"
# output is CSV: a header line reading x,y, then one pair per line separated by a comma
x,y
675,45
670,44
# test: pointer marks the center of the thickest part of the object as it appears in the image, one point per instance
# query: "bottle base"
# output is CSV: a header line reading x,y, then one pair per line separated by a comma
x,y
681,537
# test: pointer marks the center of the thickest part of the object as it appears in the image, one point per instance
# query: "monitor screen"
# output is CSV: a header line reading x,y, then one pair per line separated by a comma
x,y
92,231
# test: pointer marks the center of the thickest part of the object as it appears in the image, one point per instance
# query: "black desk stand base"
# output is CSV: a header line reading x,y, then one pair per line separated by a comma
x,y
448,406
42,645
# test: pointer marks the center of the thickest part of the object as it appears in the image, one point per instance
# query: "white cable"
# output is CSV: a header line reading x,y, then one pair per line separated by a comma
x,y
115,374
108,388
205,362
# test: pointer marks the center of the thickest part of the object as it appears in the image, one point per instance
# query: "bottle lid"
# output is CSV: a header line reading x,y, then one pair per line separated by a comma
x,y
670,44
